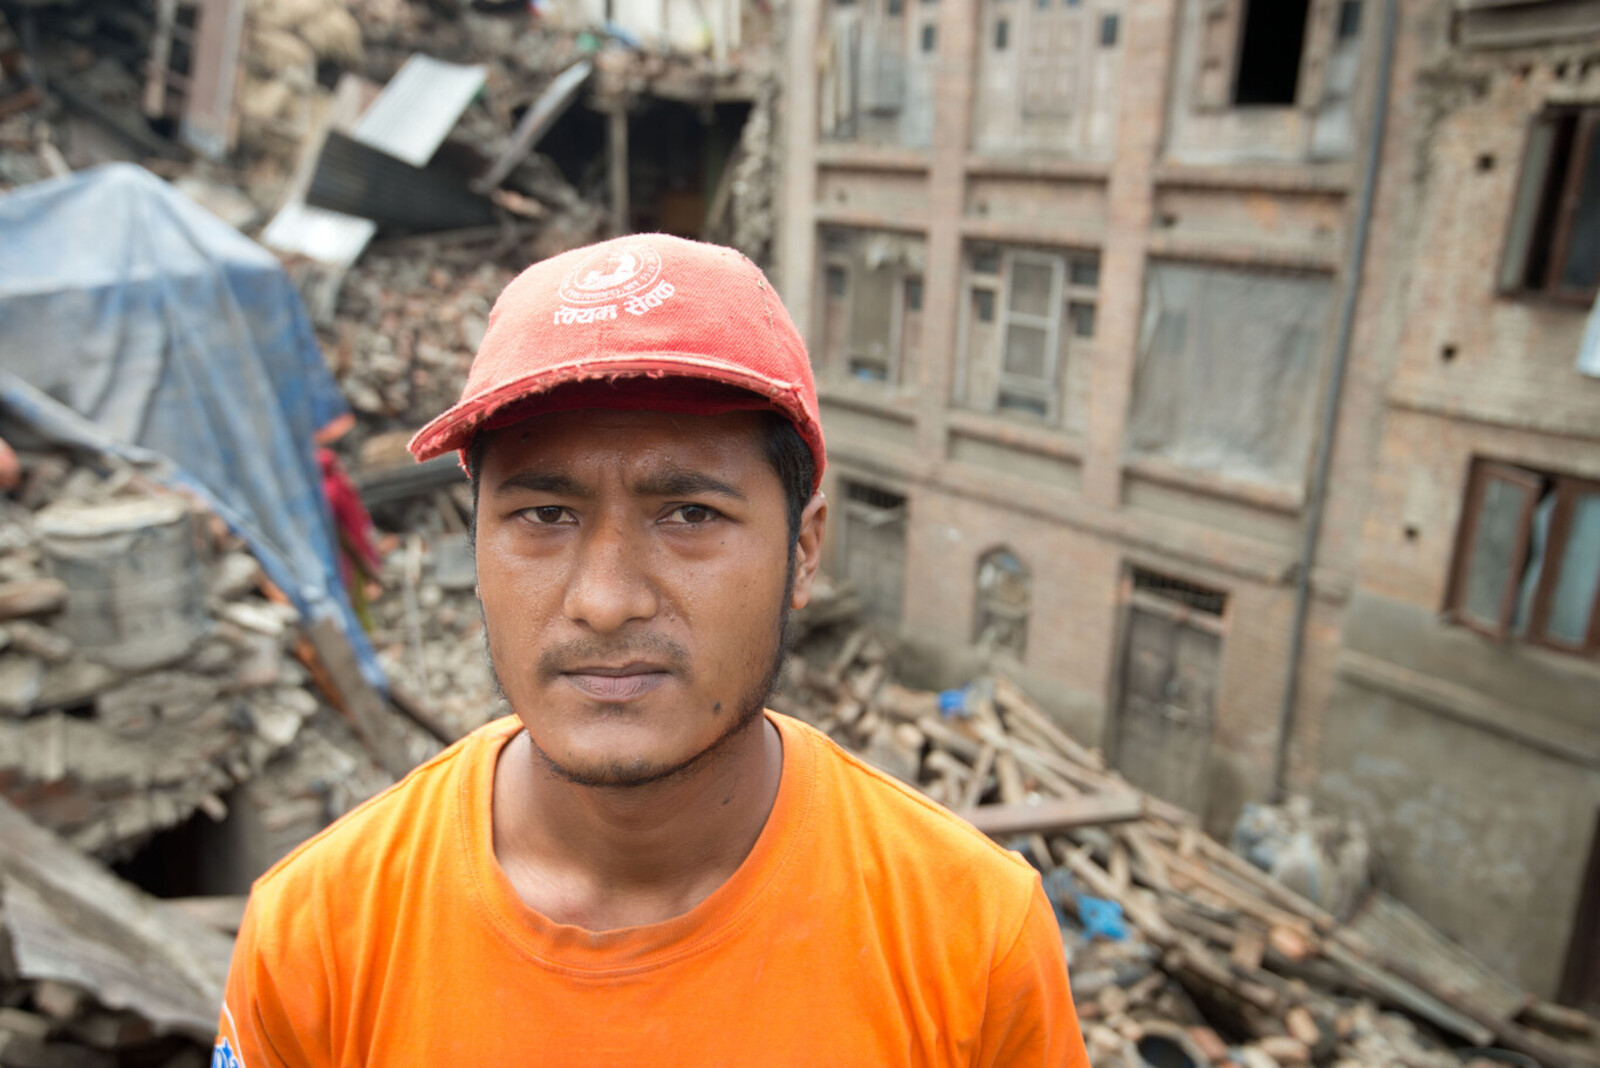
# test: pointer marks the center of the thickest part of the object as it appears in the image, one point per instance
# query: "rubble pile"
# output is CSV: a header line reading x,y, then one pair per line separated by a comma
x,y
1179,948
429,633
52,1023
94,973
409,321
146,673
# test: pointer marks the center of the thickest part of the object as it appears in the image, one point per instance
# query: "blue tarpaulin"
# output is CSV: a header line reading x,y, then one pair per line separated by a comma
x,y
170,333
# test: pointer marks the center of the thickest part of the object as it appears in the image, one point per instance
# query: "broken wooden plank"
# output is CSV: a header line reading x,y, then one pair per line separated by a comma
x,y
552,103
1057,815
1407,996
368,712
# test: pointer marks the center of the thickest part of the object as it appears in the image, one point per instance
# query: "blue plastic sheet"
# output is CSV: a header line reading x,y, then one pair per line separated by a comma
x,y
170,333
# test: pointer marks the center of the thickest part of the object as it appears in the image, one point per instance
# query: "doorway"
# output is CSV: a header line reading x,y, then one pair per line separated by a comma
x,y
1169,661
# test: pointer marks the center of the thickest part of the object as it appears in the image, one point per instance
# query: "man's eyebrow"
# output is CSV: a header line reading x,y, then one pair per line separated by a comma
x,y
685,484
540,482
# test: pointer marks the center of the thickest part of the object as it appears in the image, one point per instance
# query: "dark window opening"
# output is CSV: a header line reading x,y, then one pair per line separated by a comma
x,y
1108,31
1033,404
869,370
838,281
1211,602
1082,316
1349,19
913,294
983,305
1084,272
1269,52
897,7
986,260
1001,29
929,37
1554,242
880,499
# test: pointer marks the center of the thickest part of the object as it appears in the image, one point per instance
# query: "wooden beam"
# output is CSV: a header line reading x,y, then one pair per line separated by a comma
x,y
617,120
999,821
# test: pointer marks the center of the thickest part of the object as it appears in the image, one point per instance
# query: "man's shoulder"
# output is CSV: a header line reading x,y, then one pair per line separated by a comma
x,y
903,827
384,828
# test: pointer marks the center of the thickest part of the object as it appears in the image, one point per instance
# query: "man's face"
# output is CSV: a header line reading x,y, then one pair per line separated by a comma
x,y
633,568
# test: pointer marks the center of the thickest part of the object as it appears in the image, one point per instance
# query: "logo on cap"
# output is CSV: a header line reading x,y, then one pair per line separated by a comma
x,y
613,275
629,273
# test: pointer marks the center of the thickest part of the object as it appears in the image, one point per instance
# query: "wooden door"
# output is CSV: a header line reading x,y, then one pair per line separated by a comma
x,y
1170,657
874,551
1580,985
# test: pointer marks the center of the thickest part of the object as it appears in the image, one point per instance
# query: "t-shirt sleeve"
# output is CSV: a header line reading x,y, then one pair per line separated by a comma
x,y
270,1007
1030,1019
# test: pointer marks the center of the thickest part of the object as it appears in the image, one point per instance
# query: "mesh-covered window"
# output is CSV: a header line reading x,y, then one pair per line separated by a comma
x,y
1227,372
1004,599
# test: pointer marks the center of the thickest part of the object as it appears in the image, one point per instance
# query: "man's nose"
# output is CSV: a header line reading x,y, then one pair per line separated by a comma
x,y
610,584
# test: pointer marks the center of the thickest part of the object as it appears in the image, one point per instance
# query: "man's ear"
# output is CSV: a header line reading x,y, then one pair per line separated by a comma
x,y
808,550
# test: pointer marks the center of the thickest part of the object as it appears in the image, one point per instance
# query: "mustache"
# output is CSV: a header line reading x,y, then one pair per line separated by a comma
x,y
653,648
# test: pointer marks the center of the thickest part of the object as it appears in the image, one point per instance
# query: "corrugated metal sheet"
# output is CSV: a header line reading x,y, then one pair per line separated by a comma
x,y
409,120
418,108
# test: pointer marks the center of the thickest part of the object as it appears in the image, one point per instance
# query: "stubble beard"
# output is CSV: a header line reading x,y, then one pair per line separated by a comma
x,y
623,775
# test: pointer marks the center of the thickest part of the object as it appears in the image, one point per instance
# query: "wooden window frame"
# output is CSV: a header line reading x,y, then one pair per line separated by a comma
x,y
1566,490
1558,197
1058,325
1046,387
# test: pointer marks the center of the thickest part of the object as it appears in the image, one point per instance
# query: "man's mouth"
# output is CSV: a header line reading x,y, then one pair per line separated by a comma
x,y
615,684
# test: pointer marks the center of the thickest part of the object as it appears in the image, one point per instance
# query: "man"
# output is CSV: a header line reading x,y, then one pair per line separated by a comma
x,y
641,866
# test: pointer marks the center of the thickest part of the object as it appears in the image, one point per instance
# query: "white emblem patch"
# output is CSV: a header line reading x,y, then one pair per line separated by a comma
x,y
628,273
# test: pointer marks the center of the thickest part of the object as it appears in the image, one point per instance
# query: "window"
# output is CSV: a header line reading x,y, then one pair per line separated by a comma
x,y
1349,19
929,37
870,299
1027,309
1553,245
1196,598
1028,342
913,294
1228,369
1004,592
983,305
1108,31
1528,557
1270,43
872,549
1001,29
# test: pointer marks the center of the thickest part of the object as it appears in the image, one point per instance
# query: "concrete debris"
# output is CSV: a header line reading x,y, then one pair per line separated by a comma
x,y
1180,949
92,971
430,639
109,749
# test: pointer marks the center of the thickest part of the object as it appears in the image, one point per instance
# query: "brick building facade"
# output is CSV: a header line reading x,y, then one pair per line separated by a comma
x,y
1080,282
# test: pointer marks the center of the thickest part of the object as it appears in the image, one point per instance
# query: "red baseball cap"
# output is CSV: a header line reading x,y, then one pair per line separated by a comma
x,y
642,321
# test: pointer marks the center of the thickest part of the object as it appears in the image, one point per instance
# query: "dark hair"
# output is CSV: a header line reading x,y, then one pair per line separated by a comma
x,y
781,443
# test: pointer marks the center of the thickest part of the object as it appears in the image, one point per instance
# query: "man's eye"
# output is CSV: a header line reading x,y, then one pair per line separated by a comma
x,y
548,513
693,514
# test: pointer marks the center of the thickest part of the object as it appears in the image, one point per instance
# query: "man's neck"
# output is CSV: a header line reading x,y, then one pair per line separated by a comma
x,y
602,858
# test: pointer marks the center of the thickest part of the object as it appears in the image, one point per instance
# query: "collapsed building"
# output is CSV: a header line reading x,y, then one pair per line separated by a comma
x,y
1079,347
1213,368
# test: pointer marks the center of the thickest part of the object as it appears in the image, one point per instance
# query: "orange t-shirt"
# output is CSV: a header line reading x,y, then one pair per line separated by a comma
x,y
867,926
